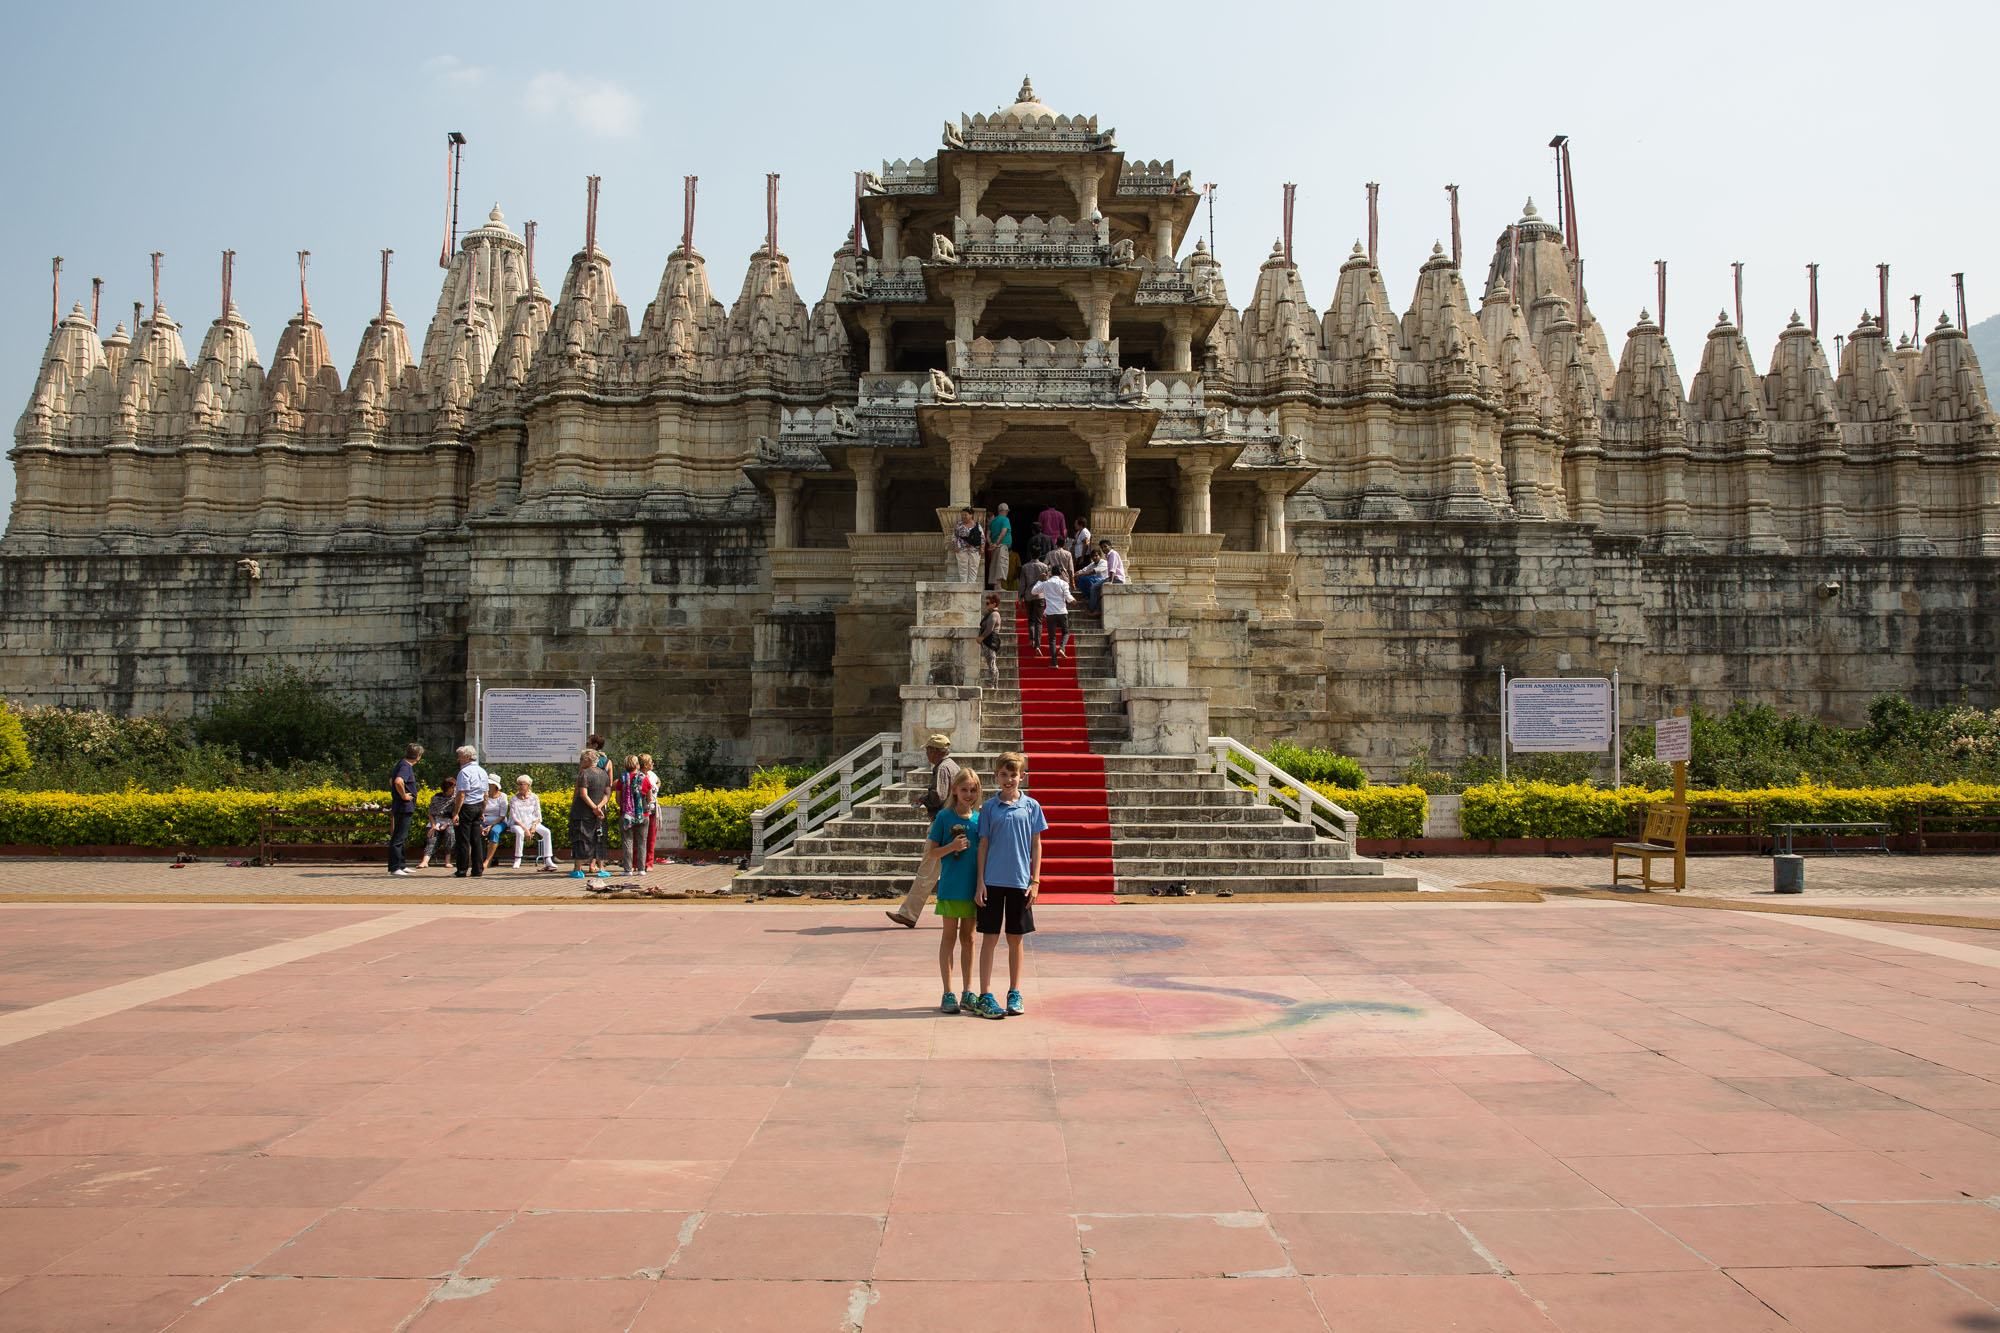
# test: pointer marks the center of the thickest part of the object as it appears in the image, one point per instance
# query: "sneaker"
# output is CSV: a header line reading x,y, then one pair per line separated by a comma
x,y
1014,1005
404,871
949,1005
578,874
989,1007
517,863
604,874
901,920
968,1003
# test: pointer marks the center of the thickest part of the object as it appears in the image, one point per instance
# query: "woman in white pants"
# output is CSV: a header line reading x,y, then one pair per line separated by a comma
x,y
524,816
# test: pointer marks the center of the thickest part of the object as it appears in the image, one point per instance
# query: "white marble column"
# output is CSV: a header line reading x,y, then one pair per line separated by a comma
x,y
1274,519
892,237
1197,476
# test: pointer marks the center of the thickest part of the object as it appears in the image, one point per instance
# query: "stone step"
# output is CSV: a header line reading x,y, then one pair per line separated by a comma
x,y
889,886
1123,848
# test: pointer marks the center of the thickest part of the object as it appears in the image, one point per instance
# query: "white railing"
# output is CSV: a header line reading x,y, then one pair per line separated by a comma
x,y
828,794
1274,786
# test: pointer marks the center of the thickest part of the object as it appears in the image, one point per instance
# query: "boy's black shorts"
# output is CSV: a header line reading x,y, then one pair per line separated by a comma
x,y
1008,906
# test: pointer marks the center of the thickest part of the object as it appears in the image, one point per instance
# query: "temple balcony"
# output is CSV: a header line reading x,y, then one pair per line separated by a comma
x,y
1031,242
1068,372
903,284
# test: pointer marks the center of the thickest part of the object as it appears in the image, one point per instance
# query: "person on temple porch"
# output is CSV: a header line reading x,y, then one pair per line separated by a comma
x,y
968,547
1053,525
999,548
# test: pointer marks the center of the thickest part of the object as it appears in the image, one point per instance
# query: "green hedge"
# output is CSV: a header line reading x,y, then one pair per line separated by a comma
x,y
1384,812
1546,810
710,820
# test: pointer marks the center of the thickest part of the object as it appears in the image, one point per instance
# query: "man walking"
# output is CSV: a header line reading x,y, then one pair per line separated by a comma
x,y
1033,571
402,805
934,797
999,548
468,803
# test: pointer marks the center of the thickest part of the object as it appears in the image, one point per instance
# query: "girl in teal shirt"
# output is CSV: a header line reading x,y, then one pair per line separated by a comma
x,y
954,840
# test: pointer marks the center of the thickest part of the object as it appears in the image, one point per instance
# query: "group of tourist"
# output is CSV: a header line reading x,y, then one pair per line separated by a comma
x,y
468,820
983,859
1061,568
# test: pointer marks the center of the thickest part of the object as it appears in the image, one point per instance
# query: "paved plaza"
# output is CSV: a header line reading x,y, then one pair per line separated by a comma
x,y
1571,1115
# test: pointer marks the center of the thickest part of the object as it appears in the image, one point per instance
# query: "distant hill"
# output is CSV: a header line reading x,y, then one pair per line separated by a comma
x,y
1986,346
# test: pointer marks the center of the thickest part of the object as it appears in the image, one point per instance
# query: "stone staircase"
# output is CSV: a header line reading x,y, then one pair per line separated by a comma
x,y
1173,823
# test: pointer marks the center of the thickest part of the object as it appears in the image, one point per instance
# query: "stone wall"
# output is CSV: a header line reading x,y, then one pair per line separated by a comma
x,y
1419,620
165,633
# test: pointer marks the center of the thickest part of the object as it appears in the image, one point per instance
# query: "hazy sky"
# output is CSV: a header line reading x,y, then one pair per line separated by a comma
x,y
1702,133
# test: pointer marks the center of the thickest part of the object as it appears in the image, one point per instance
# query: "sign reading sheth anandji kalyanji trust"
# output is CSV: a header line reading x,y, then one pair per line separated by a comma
x,y
1559,715
1673,740
533,726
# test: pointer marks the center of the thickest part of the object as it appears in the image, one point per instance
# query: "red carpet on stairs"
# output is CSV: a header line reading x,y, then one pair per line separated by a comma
x,y
1066,776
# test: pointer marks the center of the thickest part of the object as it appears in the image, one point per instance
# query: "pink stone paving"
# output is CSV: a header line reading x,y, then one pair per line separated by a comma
x,y
1566,1117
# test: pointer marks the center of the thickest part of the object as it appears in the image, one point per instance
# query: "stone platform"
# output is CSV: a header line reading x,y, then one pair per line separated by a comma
x,y
1568,1117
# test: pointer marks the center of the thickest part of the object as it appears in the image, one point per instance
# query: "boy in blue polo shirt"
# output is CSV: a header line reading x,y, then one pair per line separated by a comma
x,y
1011,825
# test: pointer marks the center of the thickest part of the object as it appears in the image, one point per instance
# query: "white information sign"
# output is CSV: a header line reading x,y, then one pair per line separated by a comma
x,y
533,726
1559,715
1673,740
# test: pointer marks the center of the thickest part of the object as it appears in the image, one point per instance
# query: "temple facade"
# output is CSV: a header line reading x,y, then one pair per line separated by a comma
x,y
721,513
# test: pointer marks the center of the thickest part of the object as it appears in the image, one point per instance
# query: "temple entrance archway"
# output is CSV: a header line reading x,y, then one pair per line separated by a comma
x,y
1029,484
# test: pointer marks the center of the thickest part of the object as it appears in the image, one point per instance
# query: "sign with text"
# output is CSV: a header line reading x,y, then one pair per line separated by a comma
x,y
1673,740
533,726
1559,715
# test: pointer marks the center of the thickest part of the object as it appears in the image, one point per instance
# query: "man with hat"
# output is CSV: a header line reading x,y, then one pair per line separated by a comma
x,y
934,797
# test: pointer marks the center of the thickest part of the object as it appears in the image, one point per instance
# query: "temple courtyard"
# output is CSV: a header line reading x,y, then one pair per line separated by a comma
x,y
1570,1115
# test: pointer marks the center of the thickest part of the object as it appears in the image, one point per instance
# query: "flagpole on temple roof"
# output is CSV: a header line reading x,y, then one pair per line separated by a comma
x,y
858,233
1736,270
228,280
530,231
590,215
1374,219
1291,201
96,296
383,315
1209,189
305,301
1812,298
771,212
688,186
1660,280
55,293
1456,246
157,256
1958,285
1882,273
1917,319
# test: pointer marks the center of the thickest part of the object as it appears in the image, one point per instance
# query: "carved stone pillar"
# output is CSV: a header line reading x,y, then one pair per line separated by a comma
x,y
1274,518
785,528
1180,341
1082,181
1111,462
892,236
964,453
875,323
968,302
1197,478
1093,302
1163,236
972,183
866,465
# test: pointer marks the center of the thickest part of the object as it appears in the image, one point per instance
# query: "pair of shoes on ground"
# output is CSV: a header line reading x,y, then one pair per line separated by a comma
x,y
988,1007
404,871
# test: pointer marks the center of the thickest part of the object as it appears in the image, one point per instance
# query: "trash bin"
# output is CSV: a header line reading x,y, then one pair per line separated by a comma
x,y
1788,874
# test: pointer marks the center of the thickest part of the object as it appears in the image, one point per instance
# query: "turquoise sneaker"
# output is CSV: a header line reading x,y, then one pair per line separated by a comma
x,y
989,1007
968,1003
949,1004
1014,1005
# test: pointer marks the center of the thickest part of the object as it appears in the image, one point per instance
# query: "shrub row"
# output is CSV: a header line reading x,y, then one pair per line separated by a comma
x,y
711,820
1546,810
1384,812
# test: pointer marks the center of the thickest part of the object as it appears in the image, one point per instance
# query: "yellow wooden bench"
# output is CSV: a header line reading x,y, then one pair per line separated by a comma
x,y
1665,835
